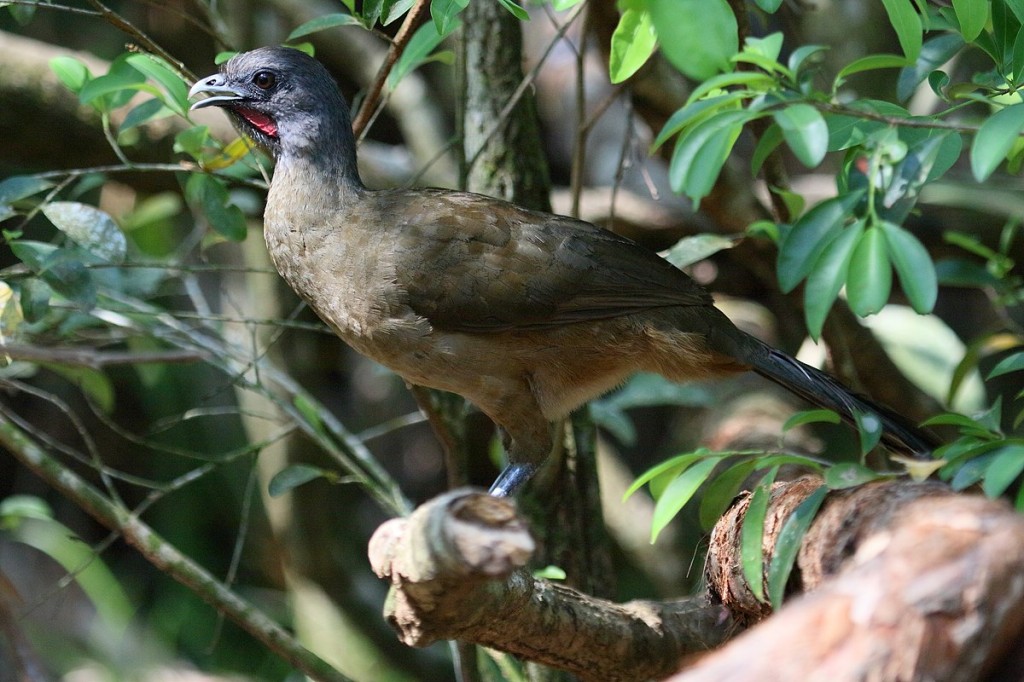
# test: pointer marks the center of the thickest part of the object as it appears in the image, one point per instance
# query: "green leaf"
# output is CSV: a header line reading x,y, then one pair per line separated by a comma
x,y
869,428
803,244
721,492
828,277
972,15
934,53
1006,465
690,250
805,132
60,268
698,37
96,385
802,55
1011,363
445,13
752,534
322,24
701,152
769,6
562,5
19,187
914,266
513,7
695,112
848,475
418,51
995,138
679,462
295,475
870,279
71,72
811,417
632,44
114,88
550,573
162,73
871,62
92,229
147,111
770,140
209,195
907,24
679,492
788,545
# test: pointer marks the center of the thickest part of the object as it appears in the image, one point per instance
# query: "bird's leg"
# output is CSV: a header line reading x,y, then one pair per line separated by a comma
x,y
527,441
512,479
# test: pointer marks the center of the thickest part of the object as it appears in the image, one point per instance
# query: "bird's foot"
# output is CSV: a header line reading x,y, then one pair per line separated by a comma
x,y
512,479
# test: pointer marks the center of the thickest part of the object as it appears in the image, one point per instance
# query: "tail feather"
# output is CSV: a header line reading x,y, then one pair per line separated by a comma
x,y
817,387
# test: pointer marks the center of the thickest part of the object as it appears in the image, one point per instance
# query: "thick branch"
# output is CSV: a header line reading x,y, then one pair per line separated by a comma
x,y
456,572
911,582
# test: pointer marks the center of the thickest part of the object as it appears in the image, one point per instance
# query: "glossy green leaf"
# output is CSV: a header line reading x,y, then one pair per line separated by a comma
x,y
632,44
769,6
752,534
829,276
907,24
698,37
722,490
1006,466
994,140
71,72
418,50
914,267
19,187
160,72
695,112
515,9
804,243
323,23
788,545
870,277
92,229
147,111
871,62
1011,363
805,132
934,53
660,469
445,13
848,475
751,81
972,15
1015,63
701,152
679,492
811,417
769,141
802,56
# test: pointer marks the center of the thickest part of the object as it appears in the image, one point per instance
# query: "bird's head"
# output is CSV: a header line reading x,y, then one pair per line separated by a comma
x,y
283,99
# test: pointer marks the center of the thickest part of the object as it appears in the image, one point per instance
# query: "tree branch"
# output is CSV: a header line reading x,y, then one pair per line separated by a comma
x,y
163,555
456,572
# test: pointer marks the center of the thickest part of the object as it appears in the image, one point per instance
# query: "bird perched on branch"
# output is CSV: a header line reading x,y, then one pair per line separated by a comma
x,y
526,314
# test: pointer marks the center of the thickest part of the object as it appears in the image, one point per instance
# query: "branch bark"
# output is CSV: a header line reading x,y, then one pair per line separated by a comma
x,y
456,572
906,581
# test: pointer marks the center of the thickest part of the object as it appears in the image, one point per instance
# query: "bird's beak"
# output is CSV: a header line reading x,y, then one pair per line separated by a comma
x,y
220,94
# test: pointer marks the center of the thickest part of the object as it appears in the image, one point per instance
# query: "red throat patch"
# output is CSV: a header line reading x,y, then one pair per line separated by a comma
x,y
262,122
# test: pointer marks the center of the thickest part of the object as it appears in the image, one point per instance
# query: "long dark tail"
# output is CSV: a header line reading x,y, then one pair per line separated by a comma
x,y
813,385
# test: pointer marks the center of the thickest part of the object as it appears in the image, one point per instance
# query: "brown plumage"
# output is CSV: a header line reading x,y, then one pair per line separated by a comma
x,y
526,314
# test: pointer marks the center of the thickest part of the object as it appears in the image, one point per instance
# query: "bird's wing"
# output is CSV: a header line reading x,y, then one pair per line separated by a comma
x,y
470,263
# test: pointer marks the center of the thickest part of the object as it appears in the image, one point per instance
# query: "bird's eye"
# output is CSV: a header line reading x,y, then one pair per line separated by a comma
x,y
264,80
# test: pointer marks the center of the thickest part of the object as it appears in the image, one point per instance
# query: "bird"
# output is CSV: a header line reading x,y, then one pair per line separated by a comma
x,y
526,314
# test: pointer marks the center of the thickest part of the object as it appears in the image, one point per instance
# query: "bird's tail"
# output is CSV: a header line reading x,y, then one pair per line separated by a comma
x,y
817,387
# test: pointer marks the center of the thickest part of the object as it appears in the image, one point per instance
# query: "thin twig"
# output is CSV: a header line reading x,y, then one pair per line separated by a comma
x,y
147,43
96,359
373,94
162,554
